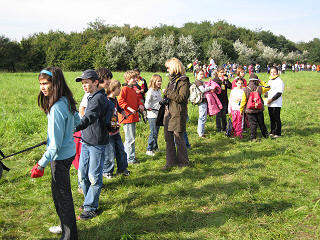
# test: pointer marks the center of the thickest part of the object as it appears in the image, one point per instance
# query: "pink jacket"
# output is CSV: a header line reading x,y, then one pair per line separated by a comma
x,y
214,104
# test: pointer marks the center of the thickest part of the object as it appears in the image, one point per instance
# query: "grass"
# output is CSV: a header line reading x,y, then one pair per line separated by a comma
x,y
234,190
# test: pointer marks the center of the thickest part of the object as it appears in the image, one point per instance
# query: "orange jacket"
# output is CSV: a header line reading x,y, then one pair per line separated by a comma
x,y
129,98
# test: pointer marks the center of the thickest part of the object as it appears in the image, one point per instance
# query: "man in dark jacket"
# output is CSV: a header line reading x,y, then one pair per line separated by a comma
x,y
95,137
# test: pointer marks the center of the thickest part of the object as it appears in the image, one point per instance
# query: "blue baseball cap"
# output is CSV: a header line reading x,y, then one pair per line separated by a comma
x,y
88,74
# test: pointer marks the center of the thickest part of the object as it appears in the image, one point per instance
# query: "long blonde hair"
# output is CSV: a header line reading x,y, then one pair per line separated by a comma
x,y
153,80
175,66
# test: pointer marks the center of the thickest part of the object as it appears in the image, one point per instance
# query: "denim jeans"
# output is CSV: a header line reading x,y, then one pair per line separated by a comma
x,y
129,143
115,149
153,137
90,174
202,118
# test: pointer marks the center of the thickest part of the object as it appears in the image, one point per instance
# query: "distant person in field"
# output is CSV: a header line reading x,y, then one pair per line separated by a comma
x,y
175,118
255,116
115,148
225,84
131,103
275,102
152,105
56,100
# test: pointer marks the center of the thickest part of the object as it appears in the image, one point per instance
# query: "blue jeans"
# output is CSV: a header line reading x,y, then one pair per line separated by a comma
x,y
202,118
90,174
115,149
153,137
129,143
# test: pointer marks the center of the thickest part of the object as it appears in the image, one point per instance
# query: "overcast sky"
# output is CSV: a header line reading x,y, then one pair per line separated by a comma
x,y
296,20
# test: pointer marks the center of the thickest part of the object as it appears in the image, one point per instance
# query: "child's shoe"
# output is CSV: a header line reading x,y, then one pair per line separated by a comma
x,y
55,229
108,175
150,153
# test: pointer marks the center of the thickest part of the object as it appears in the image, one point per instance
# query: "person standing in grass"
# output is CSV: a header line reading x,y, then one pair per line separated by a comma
x,y
255,116
275,102
224,83
152,105
131,103
234,107
175,118
94,139
115,148
203,106
56,100
240,74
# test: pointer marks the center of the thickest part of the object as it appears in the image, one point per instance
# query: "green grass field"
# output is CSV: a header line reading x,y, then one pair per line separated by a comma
x,y
234,190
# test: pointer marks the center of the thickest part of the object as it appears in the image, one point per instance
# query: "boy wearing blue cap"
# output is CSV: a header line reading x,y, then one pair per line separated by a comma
x,y
94,139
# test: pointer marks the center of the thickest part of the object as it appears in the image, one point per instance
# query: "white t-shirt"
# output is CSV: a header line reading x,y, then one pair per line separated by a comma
x,y
276,86
84,101
235,99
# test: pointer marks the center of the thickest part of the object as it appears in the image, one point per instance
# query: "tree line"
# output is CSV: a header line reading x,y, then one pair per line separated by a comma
x,y
121,48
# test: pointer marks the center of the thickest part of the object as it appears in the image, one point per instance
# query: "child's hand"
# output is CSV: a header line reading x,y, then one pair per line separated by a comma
x,y
137,91
141,108
269,101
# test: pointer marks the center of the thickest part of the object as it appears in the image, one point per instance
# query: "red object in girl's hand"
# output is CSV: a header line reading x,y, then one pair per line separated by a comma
x,y
35,172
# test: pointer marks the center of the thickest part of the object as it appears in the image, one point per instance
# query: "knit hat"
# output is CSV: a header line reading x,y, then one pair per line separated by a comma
x,y
253,77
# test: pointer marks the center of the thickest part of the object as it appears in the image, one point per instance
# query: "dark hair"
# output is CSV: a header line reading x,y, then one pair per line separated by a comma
x,y
59,89
137,70
239,70
220,68
275,68
104,73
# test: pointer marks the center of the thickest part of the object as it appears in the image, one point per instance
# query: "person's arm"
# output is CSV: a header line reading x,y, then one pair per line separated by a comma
x,y
275,97
230,100
148,101
82,110
181,95
243,102
227,83
122,100
56,127
92,113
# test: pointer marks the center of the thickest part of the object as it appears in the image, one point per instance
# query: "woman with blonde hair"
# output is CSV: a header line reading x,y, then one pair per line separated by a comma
x,y
175,118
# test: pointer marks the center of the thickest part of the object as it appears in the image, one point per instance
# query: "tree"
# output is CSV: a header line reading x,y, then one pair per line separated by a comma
x,y
187,50
10,54
167,50
215,52
115,55
244,52
146,54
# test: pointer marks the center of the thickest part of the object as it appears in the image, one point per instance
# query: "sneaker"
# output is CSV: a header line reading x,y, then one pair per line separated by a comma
x,y
55,229
86,215
133,162
108,175
271,135
276,136
126,173
150,153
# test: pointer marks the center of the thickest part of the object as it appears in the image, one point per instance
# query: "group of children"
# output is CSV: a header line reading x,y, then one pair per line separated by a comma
x,y
240,111
106,104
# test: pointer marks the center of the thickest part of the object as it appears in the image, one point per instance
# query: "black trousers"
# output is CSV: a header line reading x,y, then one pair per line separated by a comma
x,y
255,120
275,121
221,121
62,197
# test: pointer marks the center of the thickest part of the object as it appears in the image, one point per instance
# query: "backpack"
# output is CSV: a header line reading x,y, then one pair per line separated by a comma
x,y
195,94
254,100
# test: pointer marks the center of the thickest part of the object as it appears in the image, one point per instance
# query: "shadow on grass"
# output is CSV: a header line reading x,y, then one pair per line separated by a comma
x,y
185,219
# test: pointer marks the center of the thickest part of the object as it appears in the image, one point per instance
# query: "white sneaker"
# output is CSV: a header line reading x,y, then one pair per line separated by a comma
x,y
150,153
55,229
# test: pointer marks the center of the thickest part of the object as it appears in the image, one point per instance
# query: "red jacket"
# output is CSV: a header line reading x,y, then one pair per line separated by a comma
x,y
129,98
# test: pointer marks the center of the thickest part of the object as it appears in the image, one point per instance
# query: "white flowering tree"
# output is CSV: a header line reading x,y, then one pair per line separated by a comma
x,y
187,50
116,54
215,52
167,49
244,52
268,54
146,54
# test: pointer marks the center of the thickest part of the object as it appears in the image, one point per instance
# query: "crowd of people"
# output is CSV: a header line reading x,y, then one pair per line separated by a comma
x,y
91,138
